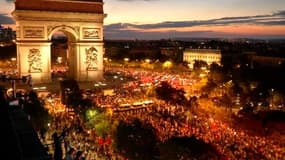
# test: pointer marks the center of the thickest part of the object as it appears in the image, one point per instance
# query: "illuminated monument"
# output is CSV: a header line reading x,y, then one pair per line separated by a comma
x,y
80,20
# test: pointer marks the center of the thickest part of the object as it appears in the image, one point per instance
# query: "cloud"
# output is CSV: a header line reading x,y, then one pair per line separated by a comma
x,y
280,13
175,28
147,35
129,34
5,19
273,19
10,1
137,0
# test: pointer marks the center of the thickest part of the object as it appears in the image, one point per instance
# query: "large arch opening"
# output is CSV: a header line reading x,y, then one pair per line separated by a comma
x,y
63,55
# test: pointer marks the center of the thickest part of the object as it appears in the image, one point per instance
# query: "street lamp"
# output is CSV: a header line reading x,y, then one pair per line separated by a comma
x,y
13,62
147,60
13,59
126,59
167,64
272,91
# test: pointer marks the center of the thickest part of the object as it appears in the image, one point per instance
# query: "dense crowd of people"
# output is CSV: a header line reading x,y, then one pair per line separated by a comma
x,y
172,121
168,120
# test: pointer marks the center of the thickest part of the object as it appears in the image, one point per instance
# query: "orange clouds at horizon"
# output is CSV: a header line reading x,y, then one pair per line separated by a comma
x,y
242,29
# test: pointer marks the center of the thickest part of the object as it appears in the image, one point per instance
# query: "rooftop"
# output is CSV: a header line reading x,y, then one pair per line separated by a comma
x,y
82,6
216,51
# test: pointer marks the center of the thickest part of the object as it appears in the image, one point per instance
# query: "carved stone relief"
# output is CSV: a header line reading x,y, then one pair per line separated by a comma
x,y
91,59
91,33
33,32
34,61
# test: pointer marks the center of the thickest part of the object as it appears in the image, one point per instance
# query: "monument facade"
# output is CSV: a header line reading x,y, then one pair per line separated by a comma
x,y
80,20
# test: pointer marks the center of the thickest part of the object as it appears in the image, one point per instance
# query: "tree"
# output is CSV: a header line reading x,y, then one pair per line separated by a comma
x,y
217,74
226,100
166,92
211,85
136,140
99,121
199,63
39,115
187,148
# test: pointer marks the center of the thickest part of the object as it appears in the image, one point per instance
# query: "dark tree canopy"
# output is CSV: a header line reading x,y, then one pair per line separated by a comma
x,y
34,107
185,148
166,92
136,140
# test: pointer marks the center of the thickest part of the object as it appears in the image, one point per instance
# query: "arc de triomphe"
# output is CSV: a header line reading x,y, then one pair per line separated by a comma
x,y
80,20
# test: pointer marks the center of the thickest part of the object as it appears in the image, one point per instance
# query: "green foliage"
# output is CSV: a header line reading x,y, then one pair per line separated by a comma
x,y
103,128
98,120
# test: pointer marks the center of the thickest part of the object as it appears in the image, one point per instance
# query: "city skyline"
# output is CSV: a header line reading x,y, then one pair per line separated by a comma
x,y
157,19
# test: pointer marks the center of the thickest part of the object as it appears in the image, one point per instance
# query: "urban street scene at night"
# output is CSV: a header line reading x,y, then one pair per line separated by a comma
x,y
142,80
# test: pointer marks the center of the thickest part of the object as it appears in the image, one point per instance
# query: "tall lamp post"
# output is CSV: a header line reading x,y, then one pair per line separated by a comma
x,y
14,63
272,96
126,60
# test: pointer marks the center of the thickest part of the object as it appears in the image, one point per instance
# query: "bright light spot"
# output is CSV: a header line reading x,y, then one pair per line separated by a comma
x,y
126,59
90,114
147,60
96,85
43,88
59,60
167,64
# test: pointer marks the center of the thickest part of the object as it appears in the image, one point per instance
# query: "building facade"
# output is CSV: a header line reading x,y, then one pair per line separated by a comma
x,y
207,55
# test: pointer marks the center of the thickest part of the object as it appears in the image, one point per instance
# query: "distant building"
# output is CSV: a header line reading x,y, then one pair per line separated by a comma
x,y
168,51
208,55
264,61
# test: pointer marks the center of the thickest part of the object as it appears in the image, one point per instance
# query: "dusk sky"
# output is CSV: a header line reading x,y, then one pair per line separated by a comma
x,y
156,19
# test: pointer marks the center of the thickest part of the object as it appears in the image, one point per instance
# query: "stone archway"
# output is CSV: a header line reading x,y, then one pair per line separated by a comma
x,y
80,20
70,52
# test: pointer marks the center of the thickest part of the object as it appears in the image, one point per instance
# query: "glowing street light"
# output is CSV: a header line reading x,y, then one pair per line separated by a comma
x,y
147,60
13,59
167,64
126,62
126,59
